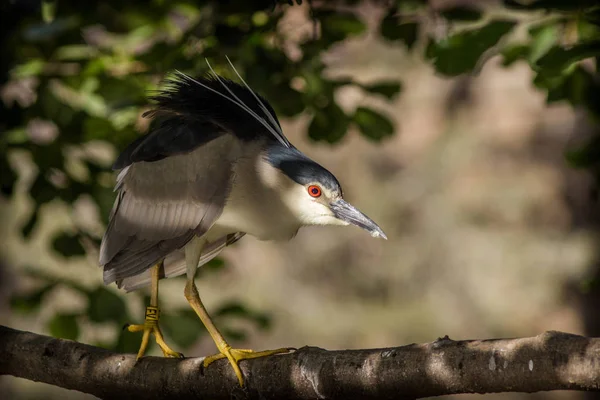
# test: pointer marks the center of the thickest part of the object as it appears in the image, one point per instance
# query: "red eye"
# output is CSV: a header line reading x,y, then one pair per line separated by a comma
x,y
314,191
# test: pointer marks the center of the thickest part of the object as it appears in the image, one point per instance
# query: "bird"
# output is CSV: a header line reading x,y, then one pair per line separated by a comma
x,y
213,167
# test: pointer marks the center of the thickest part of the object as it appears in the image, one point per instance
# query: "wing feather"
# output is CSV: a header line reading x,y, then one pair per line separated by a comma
x,y
163,204
174,264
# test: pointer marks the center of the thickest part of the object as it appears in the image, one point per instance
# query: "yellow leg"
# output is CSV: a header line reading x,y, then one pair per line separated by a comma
x,y
150,324
225,351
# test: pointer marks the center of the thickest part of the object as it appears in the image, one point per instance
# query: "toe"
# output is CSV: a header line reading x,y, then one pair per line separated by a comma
x,y
134,328
211,359
172,354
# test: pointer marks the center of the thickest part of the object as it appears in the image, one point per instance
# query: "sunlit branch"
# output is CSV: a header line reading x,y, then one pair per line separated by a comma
x,y
551,361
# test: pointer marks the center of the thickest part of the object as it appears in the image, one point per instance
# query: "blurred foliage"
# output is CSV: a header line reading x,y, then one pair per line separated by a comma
x,y
75,74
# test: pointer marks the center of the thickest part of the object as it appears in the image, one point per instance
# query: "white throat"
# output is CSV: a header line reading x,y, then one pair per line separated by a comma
x,y
255,205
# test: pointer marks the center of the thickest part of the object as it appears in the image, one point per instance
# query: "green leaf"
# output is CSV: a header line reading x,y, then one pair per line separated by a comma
x,y
233,308
460,53
48,10
461,13
372,124
32,67
514,53
7,177
41,190
105,198
579,87
184,327
64,326
75,52
68,245
406,32
290,101
586,156
28,227
329,124
16,136
128,342
589,29
235,334
239,310
544,37
216,264
338,25
559,59
387,89
105,305
29,302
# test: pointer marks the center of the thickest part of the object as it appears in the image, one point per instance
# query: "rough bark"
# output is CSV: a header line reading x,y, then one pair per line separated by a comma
x,y
550,361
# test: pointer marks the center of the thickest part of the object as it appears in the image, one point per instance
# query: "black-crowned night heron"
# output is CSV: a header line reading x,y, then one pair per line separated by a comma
x,y
214,166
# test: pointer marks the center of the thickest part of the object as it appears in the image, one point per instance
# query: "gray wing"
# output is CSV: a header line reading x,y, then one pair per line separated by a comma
x,y
162,204
174,264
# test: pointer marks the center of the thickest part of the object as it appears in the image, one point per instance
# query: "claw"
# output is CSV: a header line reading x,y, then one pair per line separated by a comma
x,y
151,326
236,355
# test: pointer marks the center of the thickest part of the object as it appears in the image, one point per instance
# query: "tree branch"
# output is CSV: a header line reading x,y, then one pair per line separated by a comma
x,y
550,361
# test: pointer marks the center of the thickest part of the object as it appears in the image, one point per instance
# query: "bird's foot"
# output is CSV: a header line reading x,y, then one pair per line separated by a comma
x,y
236,355
150,326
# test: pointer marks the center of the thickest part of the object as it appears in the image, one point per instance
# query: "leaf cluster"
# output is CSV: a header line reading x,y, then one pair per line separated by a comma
x,y
76,75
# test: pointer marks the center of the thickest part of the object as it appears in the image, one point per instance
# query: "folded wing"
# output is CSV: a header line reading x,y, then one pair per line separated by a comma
x,y
162,204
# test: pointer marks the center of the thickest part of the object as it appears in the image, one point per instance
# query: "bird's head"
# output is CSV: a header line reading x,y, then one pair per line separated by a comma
x,y
311,192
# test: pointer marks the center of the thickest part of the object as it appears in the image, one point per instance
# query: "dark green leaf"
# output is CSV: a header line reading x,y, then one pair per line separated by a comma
x,y
104,305
461,13
64,326
329,124
514,53
28,227
233,308
577,86
589,28
372,124
586,156
97,128
128,342
105,198
216,264
122,92
558,59
339,25
68,245
238,310
7,177
29,302
290,103
460,53
235,334
387,89
42,191
230,36
406,32
184,327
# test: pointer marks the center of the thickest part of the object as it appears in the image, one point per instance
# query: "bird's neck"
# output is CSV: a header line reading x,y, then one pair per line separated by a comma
x,y
254,205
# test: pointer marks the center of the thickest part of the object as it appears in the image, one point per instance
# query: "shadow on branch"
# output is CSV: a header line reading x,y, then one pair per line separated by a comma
x,y
551,361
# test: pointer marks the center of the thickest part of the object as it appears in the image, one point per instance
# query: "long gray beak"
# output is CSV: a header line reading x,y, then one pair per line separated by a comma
x,y
347,212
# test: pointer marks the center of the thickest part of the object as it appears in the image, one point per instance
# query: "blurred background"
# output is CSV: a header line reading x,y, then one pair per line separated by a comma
x,y
468,130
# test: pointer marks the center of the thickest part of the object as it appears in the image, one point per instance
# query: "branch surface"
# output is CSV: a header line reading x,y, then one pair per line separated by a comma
x,y
550,361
